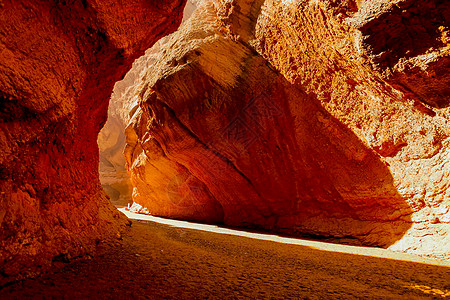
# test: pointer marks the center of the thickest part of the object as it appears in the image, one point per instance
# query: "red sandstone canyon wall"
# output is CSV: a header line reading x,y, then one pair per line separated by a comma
x,y
59,61
318,117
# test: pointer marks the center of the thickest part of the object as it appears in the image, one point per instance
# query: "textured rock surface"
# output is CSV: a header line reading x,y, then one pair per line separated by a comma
x,y
58,63
301,117
114,177
407,42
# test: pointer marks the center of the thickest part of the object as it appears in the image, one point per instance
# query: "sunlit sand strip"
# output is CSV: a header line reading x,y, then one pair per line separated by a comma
x,y
368,251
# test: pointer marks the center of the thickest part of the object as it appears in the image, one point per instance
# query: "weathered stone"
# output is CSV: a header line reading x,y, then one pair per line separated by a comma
x,y
111,140
59,61
408,41
273,114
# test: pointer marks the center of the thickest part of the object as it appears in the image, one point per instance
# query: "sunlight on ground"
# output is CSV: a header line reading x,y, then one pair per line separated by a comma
x,y
368,251
431,291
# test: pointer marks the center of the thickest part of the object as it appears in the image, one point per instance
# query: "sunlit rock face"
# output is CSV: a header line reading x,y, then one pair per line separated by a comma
x,y
113,174
407,42
58,63
114,177
297,116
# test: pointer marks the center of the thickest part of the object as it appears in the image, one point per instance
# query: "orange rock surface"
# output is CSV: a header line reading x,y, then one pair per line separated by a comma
x,y
59,61
114,177
307,117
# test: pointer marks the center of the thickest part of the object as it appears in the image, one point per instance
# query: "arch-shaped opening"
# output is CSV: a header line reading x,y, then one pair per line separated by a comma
x,y
241,137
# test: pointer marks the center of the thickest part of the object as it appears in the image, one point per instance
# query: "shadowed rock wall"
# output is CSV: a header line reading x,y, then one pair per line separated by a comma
x,y
59,61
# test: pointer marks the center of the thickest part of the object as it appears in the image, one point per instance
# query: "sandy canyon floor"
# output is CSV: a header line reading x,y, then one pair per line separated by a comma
x,y
174,261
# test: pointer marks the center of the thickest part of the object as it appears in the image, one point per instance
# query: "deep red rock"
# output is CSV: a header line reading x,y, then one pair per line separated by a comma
x,y
59,61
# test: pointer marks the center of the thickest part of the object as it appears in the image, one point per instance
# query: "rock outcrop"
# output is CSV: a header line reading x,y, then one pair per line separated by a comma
x,y
309,117
114,177
59,61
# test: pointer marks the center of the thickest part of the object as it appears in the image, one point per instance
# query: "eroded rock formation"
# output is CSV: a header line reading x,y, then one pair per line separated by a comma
x,y
59,61
114,177
316,117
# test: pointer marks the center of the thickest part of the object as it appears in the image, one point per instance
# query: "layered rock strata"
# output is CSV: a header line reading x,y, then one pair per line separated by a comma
x,y
309,117
59,61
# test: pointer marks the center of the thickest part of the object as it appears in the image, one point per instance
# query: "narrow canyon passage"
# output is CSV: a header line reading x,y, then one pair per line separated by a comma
x,y
324,118
157,261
